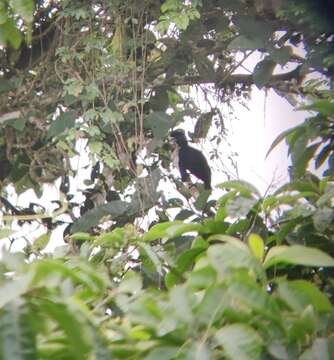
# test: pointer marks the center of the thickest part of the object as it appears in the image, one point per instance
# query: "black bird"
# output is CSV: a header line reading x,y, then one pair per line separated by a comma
x,y
191,159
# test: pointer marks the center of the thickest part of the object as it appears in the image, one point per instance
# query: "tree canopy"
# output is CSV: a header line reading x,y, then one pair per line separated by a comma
x,y
141,275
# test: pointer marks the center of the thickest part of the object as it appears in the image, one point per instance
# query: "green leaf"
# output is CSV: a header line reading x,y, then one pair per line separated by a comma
x,y
198,351
131,283
202,200
158,231
160,123
170,230
92,217
13,289
63,122
7,85
202,277
302,159
162,353
240,342
203,125
3,13
18,124
183,263
245,43
205,68
228,239
299,185
263,72
246,293
298,294
240,206
115,238
325,107
239,226
152,256
251,26
212,306
73,329
41,242
282,136
278,351
9,34
24,8
226,257
297,255
184,214
282,55
242,186
17,333
81,236
82,274
179,298
323,155
321,349
108,116
256,244
323,218
4,233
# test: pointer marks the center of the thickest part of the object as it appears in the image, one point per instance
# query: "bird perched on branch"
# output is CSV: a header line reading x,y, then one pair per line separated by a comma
x,y
191,159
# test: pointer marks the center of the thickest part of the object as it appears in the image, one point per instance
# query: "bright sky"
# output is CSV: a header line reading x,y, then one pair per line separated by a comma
x,y
254,132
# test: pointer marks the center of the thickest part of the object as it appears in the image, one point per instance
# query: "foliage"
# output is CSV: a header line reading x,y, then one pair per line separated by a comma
x,y
142,275
219,296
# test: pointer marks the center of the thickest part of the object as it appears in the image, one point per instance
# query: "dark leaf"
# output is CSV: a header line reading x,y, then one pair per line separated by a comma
x,y
203,125
243,42
92,217
282,55
263,72
281,137
63,122
302,159
323,155
160,123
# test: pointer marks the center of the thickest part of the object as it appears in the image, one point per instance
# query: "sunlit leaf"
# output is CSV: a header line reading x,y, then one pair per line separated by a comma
x,y
240,342
41,242
240,206
300,293
226,257
256,244
242,186
297,255
162,353
321,349
170,230
17,333
323,218
24,8
13,289
5,232
180,301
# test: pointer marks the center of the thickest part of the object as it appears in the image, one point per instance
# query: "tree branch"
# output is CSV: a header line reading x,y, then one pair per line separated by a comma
x,y
244,79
